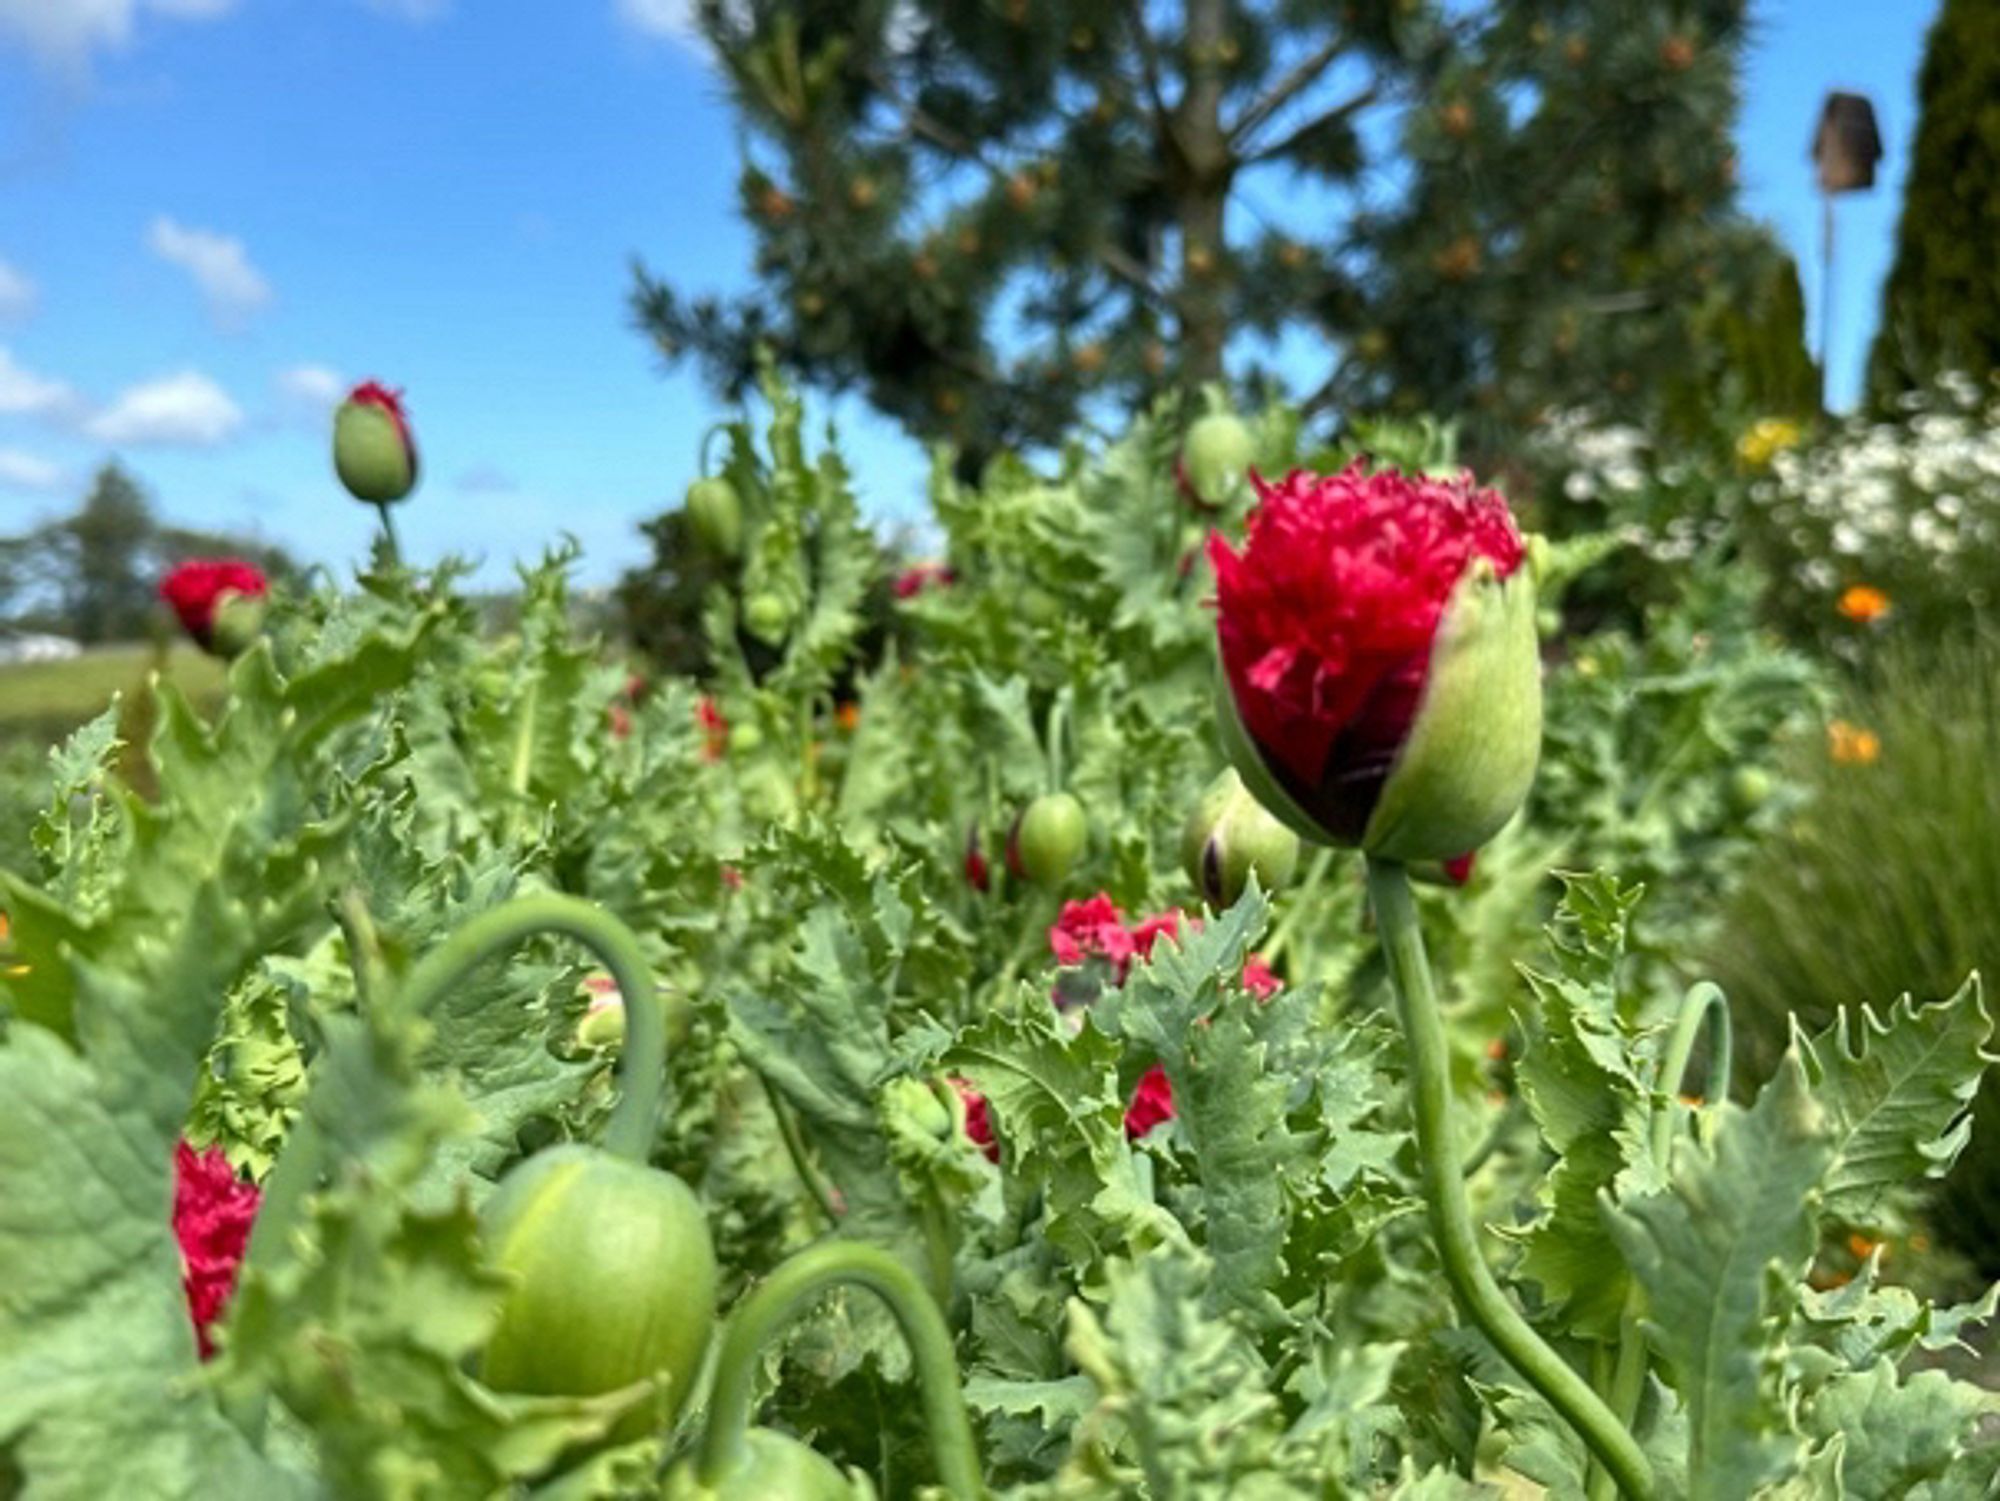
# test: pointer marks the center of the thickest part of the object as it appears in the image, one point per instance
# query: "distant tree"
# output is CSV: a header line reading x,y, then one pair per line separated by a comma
x,y
1569,235
106,584
991,214
94,574
1941,305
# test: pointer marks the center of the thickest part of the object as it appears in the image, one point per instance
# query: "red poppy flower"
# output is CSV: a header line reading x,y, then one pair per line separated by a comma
x,y
1329,626
1094,928
913,580
200,588
213,1212
1459,869
1152,1103
1259,980
977,874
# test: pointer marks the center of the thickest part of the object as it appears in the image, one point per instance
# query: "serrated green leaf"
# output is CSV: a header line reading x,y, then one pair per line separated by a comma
x,y
1897,1090
1739,1210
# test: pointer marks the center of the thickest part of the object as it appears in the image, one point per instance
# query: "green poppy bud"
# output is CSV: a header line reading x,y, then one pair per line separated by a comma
x,y
1229,836
1216,458
373,450
771,1467
715,516
613,1281
1047,839
767,617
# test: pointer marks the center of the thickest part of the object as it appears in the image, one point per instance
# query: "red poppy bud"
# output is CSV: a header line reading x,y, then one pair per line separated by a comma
x,y
373,450
977,876
1228,836
1378,646
219,602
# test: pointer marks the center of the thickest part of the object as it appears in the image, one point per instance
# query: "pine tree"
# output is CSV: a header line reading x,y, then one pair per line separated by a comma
x,y
992,215
1569,236
1941,306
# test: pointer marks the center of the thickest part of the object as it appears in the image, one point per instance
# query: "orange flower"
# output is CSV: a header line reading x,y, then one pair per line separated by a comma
x,y
1851,745
1863,603
848,717
1861,1247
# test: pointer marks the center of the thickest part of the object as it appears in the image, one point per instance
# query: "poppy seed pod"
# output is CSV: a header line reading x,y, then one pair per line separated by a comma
x,y
1047,839
1228,836
1381,673
715,515
1216,458
373,450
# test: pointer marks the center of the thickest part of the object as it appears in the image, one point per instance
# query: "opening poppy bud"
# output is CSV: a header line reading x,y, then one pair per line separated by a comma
x,y
1379,660
1228,836
603,1024
1047,839
614,1281
218,601
373,451
715,516
1216,457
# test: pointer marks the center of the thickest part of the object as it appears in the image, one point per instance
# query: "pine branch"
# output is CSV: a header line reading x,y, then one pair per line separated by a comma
x,y
1286,89
1149,64
920,123
1290,142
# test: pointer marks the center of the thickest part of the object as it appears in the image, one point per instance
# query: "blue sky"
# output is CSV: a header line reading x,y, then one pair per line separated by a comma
x,y
216,213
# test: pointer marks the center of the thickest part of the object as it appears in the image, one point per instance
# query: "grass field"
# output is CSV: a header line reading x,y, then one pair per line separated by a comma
x,y
44,701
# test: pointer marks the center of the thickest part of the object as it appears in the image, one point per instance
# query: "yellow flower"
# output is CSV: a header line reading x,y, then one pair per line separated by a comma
x,y
1863,603
1765,439
1851,745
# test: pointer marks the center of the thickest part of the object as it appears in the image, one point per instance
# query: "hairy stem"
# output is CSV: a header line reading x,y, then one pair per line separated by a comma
x,y
1472,1283
787,1293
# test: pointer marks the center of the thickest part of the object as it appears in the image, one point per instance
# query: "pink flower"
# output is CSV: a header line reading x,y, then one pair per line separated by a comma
x,y
213,1212
1094,928
1152,1102
1259,980
200,587
1326,620
913,580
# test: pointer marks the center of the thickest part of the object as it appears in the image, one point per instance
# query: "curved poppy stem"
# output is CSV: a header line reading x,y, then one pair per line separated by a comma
x,y
788,1292
642,1061
1472,1283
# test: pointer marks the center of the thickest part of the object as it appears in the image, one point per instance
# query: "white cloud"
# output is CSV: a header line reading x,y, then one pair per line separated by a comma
x,y
186,409
18,295
26,394
220,266
27,471
673,19
313,388
64,33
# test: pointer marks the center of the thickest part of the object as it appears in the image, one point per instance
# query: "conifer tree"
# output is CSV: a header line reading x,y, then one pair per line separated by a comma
x,y
1941,306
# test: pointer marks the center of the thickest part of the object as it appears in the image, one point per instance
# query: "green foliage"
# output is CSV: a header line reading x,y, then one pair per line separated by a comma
x,y
1940,310
1241,1298
1882,885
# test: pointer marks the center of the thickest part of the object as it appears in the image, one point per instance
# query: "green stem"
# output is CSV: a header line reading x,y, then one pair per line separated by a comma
x,y
715,429
1704,1004
1472,1281
1058,733
642,1062
1296,905
787,1293
389,533
795,1148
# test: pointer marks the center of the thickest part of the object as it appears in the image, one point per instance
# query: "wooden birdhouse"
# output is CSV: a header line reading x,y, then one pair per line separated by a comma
x,y
1847,145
